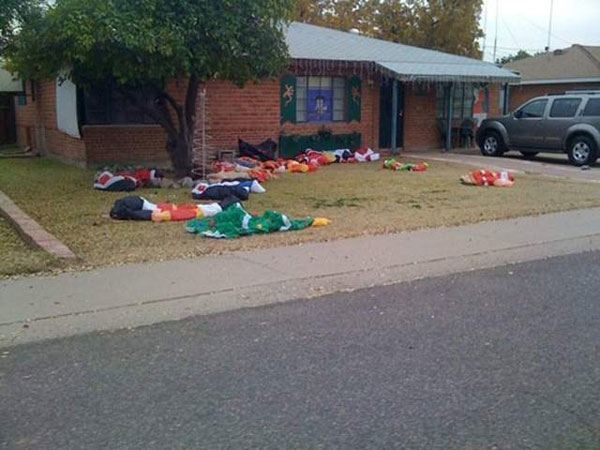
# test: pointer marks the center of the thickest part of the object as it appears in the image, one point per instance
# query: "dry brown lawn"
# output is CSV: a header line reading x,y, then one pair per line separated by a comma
x,y
17,257
360,199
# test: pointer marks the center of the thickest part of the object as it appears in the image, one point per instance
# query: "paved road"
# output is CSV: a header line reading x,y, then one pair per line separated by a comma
x,y
496,359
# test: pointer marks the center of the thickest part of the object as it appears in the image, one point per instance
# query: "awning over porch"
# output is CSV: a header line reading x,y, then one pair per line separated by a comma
x,y
444,72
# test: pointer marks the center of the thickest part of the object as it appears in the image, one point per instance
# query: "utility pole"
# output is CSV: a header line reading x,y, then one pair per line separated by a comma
x,y
496,31
485,29
550,25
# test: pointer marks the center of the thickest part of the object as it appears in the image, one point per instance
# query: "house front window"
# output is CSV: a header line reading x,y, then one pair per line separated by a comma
x,y
105,105
462,102
320,99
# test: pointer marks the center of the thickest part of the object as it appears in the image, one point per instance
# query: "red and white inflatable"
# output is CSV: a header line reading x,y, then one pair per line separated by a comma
x,y
125,181
488,178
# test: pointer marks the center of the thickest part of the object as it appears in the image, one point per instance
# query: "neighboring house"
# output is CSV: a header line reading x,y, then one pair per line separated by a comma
x,y
9,85
341,81
573,68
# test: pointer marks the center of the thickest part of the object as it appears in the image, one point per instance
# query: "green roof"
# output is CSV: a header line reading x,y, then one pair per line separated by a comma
x,y
402,61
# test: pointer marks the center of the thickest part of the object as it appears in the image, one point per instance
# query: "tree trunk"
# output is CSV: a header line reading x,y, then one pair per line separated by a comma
x,y
180,146
180,149
179,129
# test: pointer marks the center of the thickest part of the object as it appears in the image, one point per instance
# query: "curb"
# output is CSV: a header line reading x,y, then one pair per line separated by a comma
x,y
473,164
31,231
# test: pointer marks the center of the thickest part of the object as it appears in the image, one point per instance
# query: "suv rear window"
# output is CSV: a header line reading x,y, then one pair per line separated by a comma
x,y
592,108
564,107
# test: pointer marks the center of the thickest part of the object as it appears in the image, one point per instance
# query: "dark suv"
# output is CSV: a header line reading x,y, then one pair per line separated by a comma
x,y
558,123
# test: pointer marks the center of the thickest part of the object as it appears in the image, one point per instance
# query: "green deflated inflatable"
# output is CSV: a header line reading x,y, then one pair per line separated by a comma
x,y
235,222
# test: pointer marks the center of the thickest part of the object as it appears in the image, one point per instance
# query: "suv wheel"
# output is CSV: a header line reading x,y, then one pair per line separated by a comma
x,y
491,144
582,151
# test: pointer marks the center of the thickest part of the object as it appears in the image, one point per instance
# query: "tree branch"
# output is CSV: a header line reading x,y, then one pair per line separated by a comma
x,y
190,101
164,119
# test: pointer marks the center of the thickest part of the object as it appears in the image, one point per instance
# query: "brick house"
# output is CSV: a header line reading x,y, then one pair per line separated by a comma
x,y
573,68
362,91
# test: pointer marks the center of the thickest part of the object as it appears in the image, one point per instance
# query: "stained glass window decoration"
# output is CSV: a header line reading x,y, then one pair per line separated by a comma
x,y
320,99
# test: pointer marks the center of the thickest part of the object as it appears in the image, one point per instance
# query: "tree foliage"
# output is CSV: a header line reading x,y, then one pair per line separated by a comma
x,y
521,54
447,25
140,44
12,14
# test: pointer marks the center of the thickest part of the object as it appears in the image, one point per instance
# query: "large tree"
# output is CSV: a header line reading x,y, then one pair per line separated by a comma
x,y
141,44
446,25
12,14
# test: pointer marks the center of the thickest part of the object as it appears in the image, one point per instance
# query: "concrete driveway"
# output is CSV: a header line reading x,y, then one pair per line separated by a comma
x,y
547,164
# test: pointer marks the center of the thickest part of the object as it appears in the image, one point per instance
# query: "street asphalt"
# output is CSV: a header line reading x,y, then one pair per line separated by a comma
x,y
505,358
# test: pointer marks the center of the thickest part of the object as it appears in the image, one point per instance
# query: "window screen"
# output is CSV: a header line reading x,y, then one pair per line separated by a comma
x,y
462,102
564,107
592,108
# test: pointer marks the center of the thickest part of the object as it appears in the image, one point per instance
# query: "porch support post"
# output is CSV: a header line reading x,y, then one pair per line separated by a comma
x,y
449,112
394,116
506,98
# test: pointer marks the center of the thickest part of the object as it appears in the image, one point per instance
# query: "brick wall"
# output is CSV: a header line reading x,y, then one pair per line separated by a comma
x,y
520,94
253,113
250,113
127,144
26,119
130,144
495,104
36,125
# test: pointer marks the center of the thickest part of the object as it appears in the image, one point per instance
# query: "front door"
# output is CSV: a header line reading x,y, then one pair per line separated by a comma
x,y
385,115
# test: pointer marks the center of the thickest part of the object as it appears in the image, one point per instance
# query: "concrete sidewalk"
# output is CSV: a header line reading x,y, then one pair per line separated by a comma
x,y
544,166
120,297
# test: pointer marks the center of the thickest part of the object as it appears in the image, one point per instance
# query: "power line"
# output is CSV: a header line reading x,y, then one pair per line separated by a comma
x,y
512,36
544,30
550,24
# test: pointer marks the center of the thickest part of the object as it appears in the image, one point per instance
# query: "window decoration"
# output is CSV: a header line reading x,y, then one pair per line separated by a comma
x,y
320,99
288,95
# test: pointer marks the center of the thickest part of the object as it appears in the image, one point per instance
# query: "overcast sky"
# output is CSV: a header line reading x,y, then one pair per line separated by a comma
x,y
524,24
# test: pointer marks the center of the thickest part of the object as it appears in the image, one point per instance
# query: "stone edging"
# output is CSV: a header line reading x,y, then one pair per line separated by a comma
x,y
31,231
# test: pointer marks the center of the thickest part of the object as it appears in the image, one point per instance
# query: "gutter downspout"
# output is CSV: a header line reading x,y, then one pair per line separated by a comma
x,y
394,143
506,104
449,106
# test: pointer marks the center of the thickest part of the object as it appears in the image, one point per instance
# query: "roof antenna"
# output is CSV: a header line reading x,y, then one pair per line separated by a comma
x,y
485,29
496,35
550,25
